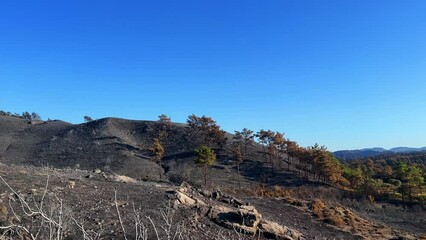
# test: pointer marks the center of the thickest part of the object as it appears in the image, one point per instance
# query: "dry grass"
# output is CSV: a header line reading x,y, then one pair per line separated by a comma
x,y
272,192
317,206
346,220
334,217
335,220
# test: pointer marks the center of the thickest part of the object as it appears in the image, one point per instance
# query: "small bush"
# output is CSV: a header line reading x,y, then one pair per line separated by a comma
x,y
317,207
273,192
335,220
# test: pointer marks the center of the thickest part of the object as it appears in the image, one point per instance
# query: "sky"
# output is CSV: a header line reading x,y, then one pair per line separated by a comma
x,y
344,74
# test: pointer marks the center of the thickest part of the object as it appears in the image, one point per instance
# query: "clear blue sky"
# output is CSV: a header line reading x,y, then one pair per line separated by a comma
x,y
346,74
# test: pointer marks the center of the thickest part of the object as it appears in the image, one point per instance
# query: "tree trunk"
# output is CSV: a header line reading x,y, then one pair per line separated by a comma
x,y
239,176
264,153
410,193
205,175
402,195
238,169
160,170
288,163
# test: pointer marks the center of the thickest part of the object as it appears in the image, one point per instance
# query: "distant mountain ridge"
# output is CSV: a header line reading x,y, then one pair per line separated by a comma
x,y
371,152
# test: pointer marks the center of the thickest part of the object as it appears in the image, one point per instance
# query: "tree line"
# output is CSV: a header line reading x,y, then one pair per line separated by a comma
x,y
206,137
25,115
400,180
396,177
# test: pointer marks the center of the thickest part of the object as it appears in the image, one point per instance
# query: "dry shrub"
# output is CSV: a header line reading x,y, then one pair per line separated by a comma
x,y
317,206
333,216
259,191
350,220
245,192
281,192
295,202
344,183
273,192
336,216
335,220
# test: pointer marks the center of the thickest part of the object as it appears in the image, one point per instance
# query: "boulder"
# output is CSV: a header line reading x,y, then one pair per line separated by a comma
x,y
244,218
124,179
275,231
182,198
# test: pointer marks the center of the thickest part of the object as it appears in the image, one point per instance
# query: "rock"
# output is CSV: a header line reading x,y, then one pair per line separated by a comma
x,y
182,198
275,231
185,187
205,193
125,179
236,202
97,171
71,184
200,202
216,194
248,220
183,190
244,219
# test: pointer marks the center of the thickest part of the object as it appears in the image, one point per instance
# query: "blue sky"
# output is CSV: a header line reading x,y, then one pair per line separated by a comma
x,y
346,74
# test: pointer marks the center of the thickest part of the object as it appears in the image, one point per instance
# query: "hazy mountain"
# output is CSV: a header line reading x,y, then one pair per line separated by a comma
x,y
406,149
376,149
371,152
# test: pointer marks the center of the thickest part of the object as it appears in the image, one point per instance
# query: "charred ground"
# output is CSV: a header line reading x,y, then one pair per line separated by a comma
x,y
120,147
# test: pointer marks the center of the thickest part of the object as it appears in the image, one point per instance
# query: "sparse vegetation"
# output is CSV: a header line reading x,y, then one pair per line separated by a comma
x,y
163,128
381,181
158,150
245,138
206,157
87,119
205,131
274,169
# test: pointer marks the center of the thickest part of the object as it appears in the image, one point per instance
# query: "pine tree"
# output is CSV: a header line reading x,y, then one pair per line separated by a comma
x,y
206,157
247,137
87,119
158,150
163,127
206,131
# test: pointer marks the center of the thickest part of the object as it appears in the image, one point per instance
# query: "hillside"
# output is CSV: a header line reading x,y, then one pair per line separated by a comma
x,y
115,144
122,146
86,162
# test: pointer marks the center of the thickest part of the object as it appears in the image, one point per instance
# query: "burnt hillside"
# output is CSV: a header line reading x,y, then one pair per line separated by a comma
x,y
122,146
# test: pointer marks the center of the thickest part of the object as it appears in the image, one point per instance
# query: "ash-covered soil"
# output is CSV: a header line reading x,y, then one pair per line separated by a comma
x,y
291,216
119,147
